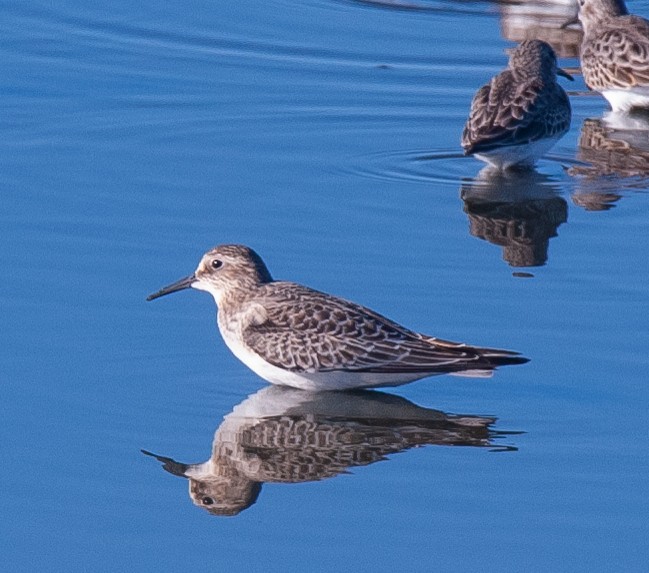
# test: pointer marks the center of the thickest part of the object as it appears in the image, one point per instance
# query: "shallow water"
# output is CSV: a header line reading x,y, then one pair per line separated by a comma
x,y
325,134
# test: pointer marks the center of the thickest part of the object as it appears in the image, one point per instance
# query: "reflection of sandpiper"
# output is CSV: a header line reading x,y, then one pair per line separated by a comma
x,y
543,20
521,113
282,435
618,146
517,210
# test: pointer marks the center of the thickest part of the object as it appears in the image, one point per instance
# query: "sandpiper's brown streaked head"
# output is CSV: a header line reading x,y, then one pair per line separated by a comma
x,y
221,270
535,58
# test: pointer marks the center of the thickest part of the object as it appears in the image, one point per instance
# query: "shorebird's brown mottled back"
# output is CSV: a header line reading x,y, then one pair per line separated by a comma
x,y
522,112
615,53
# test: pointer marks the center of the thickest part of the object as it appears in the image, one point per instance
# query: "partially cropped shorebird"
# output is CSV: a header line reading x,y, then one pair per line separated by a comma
x,y
615,53
522,112
295,336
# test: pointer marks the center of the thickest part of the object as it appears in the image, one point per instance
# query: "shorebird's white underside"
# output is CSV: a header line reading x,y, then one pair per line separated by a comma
x,y
626,99
524,155
334,380
331,380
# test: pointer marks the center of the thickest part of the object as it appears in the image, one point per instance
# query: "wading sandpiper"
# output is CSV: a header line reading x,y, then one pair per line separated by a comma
x,y
292,335
522,112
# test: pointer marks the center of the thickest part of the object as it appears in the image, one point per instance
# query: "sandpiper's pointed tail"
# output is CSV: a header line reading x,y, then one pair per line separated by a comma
x,y
498,357
490,359
484,360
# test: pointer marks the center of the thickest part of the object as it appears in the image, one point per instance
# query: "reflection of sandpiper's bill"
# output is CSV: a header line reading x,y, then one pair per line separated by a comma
x,y
522,112
615,53
292,335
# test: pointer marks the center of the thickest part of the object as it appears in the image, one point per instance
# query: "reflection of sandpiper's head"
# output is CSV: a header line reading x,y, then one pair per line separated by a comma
x,y
224,495
216,485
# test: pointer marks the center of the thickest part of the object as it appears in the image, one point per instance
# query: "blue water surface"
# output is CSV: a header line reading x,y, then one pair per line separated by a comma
x,y
324,134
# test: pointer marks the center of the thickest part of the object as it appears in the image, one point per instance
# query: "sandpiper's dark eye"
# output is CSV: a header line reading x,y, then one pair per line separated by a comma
x,y
216,264
207,501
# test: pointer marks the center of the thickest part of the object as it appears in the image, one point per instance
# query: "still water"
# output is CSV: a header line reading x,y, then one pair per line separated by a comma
x,y
324,134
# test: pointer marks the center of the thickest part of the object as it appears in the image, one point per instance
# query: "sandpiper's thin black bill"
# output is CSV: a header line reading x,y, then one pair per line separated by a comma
x,y
562,72
182,284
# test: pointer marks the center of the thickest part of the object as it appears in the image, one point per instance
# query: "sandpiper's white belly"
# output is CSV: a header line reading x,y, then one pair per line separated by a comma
x,y
318,381
525,154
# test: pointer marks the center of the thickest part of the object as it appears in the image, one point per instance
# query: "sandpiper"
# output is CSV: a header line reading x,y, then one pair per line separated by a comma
x,y
522,112
615,53
292,335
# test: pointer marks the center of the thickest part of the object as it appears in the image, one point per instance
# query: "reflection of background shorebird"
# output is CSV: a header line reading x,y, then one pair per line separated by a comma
x,y
611,149
292,335
282,435
615,53
522,112
517,210
543,20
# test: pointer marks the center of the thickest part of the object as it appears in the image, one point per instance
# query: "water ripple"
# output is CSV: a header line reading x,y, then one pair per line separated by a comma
x,y
445,166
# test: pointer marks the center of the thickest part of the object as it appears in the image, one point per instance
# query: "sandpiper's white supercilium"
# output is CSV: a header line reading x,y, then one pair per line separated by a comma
x,y
295,336
522,112
615,53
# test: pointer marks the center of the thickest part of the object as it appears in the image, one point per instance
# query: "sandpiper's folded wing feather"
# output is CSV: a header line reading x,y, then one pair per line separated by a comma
x,y
626,46
481,117
317,332
505,113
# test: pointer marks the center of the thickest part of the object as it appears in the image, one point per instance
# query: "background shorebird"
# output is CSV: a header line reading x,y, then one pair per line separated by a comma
x,y
615,53
522,112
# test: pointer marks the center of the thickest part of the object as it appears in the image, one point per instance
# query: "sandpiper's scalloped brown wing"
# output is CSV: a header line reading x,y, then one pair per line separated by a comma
x,y
626,46
504,113
317,332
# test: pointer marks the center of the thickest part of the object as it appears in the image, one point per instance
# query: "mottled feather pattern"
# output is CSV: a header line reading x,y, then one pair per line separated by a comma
x,y
616,54
309,331
522,104
293,449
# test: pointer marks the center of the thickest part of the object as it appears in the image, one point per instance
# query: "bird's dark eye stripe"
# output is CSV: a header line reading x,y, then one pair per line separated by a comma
x,y
216,263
